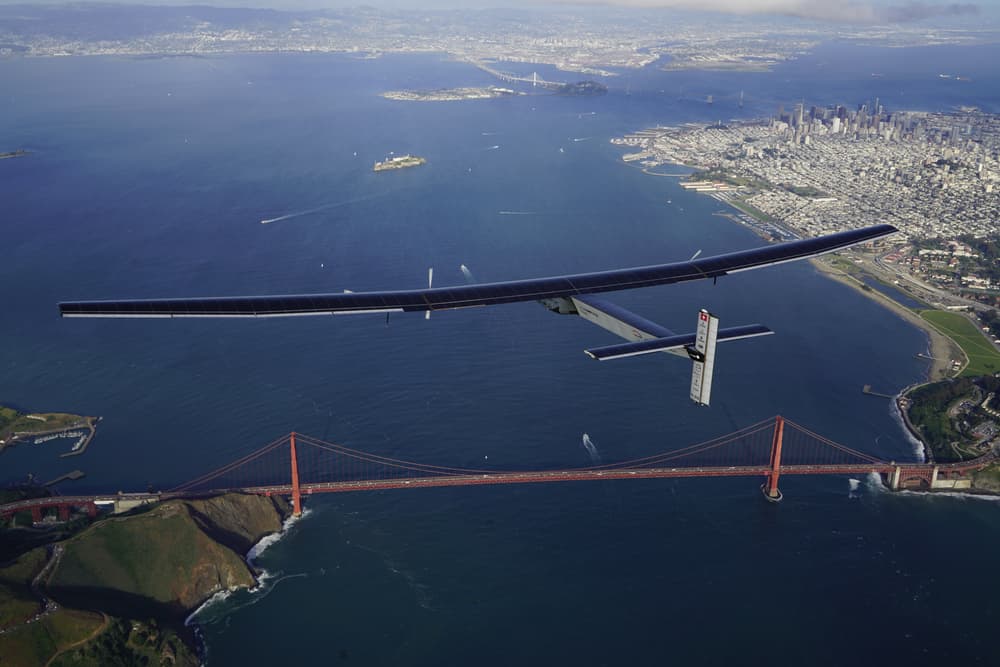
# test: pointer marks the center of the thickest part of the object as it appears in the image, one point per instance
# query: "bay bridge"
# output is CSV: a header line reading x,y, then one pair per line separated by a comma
x,y
507,77
297,465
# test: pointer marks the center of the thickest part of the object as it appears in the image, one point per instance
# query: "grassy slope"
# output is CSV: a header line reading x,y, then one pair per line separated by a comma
x,y
983,357
17,602
155,565
160,560
988,478
36,643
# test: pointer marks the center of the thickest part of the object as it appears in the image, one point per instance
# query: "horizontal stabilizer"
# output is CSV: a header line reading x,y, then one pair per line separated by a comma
x,y
672,342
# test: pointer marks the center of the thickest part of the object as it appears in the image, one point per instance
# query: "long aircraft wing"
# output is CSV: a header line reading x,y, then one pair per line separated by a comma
x,y
443,298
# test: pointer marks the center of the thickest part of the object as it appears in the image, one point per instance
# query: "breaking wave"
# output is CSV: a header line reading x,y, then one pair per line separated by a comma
x,y
874,481
918,447
266,581
210,602
957,495
272,539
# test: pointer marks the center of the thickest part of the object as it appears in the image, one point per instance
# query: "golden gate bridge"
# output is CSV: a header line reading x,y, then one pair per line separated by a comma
x,y
298,465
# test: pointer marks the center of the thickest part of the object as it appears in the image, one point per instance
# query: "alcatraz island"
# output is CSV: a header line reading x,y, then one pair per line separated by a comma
x,y
400,162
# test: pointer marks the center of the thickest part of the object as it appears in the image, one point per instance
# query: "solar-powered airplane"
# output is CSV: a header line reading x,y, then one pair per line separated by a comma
x,y
570,295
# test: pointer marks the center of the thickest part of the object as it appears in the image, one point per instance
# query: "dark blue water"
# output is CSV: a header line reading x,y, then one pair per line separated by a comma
x,y
149,178
897,295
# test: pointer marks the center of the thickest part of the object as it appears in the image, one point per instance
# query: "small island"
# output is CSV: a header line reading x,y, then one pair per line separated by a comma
x,y
449,94
401,162
39,428
581,88
20,152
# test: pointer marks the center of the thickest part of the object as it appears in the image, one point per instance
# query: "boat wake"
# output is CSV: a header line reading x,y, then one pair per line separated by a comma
x,y
516,213
591,448
324,207
298,214
421,591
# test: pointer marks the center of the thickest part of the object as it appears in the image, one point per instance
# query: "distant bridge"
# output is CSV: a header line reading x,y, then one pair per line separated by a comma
x,y
298,465
508,77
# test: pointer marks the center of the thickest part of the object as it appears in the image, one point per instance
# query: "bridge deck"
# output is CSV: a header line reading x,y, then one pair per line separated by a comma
x,y
548,476
525,477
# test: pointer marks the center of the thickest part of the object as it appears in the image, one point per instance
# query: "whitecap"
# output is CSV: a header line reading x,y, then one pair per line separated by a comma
x,y
875,483
212,601
918,447
273,538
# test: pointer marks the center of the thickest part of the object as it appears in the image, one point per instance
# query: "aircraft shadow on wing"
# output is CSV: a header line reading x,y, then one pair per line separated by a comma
x,y
572,295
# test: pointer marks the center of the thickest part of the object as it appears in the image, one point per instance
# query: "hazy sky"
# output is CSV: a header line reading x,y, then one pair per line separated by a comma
x,y
854,11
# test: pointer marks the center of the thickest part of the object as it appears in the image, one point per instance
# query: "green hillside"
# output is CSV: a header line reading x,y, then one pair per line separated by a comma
x,y
125,584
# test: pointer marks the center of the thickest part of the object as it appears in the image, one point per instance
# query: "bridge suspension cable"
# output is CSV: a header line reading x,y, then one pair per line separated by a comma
x,y
318,465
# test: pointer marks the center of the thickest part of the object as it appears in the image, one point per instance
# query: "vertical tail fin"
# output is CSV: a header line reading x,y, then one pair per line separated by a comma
x,y
703,356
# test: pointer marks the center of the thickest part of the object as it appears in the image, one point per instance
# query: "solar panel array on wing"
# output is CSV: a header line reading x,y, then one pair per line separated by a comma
x,y
475,295
641,347
673,342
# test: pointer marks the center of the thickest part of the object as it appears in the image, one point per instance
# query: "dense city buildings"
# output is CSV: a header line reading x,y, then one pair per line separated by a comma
x,y
815,170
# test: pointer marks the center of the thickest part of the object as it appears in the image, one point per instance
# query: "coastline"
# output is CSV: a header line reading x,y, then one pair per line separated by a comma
x,y
261,576
941,349
920,448
82,423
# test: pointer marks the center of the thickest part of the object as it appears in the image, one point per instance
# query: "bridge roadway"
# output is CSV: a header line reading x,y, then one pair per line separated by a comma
x,y
545,476
507,77
906,471
79,501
